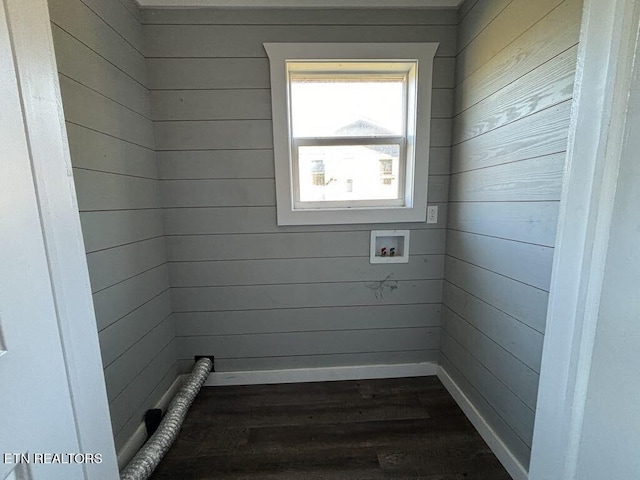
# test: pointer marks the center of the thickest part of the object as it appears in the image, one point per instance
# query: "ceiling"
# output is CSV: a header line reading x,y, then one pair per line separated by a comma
x,y
301,3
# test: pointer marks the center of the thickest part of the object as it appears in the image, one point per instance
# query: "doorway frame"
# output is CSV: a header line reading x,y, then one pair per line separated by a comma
x,y
606,56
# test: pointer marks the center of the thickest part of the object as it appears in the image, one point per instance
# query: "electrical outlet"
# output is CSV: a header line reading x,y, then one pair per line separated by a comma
x,y
432,214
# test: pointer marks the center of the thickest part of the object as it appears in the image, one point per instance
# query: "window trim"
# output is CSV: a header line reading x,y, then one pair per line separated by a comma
x,y
417,154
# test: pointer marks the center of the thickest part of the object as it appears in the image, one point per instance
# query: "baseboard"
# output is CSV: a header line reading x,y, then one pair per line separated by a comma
x,y
506,457
131,446
326,374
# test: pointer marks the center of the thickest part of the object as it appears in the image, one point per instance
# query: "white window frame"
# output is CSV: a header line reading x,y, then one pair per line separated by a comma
x,y
416,58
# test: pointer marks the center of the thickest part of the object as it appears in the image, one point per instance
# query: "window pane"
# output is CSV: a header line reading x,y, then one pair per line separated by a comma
x,y
352,172
346,107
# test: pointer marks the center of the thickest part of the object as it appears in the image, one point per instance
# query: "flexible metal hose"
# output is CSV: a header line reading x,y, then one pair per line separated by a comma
x,y
148,457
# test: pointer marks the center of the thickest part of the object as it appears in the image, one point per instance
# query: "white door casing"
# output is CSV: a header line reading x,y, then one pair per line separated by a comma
x,y
53,398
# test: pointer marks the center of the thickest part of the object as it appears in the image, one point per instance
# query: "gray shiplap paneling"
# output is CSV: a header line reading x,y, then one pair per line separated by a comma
x,y
505,257
555,33
108,229
93,150
108,267
514,77
85,66
79,20
300,271
533,180
306,16
305,320
247,40
235,220
520,340
516,18
532,222
239,73
310,343
540,134
109,191
98,44
261,297
536,91
514,374
290,245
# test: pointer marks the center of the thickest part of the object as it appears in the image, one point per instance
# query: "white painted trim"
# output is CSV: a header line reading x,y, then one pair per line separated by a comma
x,y
51,163
419,118
325,374
605,61
300,3
139,437
499,448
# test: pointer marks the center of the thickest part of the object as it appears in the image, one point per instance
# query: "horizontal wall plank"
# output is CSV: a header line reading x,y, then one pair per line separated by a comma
x,y
260,297
292,16
85,107
513,410
540,134
516,18
527,263
211,104
316,361
291,245
533,180
125,407
554,34
119,300
221,134
202,221
218,193
310,343
119,374
521,301
248,193
521,341
238,73
77,19
533,222
301,270
108,229
477,19
548,85
96,151
120,19
506,433
211,164
305,320
118,337
107,191
518,378
247,40
108,267
79,62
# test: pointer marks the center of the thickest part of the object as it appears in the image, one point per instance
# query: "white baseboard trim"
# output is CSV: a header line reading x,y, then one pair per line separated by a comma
x,y
508,460
326,374
135,442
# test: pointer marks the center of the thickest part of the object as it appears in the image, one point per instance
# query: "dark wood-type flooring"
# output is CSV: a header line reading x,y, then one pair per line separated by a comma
x,y
408,428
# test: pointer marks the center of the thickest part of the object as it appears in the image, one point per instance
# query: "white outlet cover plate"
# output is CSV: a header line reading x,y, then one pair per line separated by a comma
x,y
432,214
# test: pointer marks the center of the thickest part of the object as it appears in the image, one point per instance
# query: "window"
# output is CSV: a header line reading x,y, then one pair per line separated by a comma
x,y
351,131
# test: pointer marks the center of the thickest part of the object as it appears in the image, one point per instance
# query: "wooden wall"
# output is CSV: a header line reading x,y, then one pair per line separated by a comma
x,y
100,56
259,296
515,69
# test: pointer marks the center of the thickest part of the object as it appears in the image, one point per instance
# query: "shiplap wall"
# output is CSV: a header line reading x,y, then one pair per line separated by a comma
x,y
515,69
99,51
259,296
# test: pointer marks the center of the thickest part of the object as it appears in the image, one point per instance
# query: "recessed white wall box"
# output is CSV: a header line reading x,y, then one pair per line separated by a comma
x,y
389,246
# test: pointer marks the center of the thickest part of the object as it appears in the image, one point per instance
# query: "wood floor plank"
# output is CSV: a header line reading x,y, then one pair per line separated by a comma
x,y
407,428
